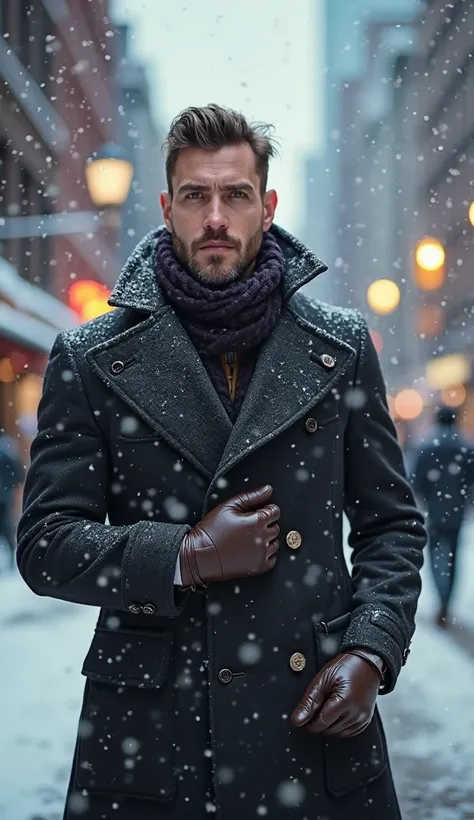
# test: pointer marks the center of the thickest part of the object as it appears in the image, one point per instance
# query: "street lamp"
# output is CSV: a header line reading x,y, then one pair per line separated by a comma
x,y
108,178
430,258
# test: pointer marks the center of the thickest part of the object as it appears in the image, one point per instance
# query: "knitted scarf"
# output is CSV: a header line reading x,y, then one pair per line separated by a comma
x,y
227,318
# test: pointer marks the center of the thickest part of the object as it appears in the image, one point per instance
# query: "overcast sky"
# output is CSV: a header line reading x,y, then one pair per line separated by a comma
x,y
258,56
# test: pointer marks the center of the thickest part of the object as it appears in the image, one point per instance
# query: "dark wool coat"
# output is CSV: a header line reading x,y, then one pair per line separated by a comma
x,y
188,695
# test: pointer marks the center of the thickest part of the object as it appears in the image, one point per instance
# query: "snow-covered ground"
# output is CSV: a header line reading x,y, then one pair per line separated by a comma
x,y
429,718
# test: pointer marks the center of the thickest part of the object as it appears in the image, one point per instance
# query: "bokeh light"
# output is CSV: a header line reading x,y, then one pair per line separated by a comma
x,y
383,296
430,254
408,404
454,396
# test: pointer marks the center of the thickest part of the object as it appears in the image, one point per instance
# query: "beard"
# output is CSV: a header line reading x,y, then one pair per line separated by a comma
x,y
216,272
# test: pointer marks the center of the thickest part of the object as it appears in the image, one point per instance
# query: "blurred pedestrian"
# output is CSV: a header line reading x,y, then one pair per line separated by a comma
x,y
226,674
11,476
443,476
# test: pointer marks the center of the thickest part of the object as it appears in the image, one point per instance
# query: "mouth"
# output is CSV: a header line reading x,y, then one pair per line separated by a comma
x,y
216,246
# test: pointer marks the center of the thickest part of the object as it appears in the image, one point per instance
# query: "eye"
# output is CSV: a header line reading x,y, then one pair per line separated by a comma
x,y
193,195
239,195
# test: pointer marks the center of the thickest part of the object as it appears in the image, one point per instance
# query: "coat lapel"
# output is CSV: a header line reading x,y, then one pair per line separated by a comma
x,y
164,381
292,374
155,369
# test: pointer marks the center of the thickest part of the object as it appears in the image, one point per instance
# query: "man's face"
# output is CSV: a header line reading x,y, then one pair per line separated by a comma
x,y
217,215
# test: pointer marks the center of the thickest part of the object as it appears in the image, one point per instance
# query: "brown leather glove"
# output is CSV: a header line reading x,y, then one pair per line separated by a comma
x,y
237,539
340,700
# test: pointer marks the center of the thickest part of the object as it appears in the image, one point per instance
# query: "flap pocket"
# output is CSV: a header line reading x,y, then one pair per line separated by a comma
x,y
326,412
354,762
350,763
129,658
125,742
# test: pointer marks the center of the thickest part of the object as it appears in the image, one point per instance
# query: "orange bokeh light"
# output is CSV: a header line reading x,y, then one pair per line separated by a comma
x,y
94,308
89,299
454,396
84,289
408,404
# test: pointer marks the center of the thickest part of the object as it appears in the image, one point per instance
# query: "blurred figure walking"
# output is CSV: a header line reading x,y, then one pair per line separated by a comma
x,y
11,476
443,475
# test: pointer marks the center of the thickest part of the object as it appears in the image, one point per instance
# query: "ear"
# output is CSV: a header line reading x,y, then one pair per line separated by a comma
x,y
270,201
165,201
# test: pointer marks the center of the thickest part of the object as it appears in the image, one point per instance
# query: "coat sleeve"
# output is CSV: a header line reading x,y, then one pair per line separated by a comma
x,y
65,547
387,531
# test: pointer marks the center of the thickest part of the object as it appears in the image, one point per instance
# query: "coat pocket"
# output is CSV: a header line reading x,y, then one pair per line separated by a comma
x,y
125,742
350,763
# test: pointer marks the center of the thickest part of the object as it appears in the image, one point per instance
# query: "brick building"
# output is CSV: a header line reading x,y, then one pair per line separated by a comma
x,y
57,106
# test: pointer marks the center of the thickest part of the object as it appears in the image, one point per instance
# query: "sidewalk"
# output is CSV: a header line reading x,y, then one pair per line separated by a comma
x,y
429,722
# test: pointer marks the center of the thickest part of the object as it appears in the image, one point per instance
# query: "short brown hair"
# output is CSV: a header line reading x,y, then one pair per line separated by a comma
x,y
213,127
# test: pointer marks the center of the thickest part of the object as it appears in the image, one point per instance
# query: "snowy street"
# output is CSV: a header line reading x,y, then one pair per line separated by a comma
x,y
429,719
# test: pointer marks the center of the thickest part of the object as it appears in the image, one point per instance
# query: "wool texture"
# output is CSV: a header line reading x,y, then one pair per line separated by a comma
x,y
225,318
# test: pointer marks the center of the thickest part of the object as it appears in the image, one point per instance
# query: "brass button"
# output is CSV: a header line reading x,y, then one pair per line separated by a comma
x,y
225,676
294,539
311,425
297,662
327,360
117,367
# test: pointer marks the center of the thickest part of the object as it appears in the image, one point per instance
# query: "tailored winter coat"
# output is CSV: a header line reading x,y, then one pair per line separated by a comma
x,y
188,694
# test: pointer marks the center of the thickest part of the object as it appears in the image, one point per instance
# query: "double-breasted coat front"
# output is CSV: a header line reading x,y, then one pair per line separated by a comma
x,y
188,695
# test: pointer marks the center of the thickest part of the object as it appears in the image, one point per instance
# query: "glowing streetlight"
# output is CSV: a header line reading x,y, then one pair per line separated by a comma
x,y
383,296
470,213
430,258
108,176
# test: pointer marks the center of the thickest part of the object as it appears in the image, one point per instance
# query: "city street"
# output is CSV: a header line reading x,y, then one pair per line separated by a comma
x,y
429,719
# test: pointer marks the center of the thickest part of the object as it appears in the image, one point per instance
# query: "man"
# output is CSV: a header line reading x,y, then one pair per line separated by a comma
x,y
217,408
443,473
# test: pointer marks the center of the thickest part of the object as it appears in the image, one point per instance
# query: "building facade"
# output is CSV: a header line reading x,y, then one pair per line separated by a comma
x,y
445,187
142,134
346,55
375,210
56,107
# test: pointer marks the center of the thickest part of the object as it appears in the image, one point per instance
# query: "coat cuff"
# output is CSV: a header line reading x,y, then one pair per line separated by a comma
x,y
376,629
149,564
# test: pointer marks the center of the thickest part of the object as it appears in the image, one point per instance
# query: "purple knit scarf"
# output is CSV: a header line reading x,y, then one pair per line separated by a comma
x,y
231,318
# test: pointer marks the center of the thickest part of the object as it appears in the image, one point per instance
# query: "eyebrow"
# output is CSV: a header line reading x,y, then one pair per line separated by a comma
x,y
231,186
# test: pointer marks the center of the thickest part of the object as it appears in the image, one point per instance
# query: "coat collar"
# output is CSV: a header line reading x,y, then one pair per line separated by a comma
x,y
162,379
137,285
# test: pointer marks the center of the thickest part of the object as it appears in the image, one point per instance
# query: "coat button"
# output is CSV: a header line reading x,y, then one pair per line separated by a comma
x,y
311,425
297,662
116,367
294,540
135,608
225,676
148,609
327,360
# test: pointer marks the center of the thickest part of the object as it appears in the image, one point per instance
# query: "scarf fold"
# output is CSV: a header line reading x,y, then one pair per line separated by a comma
x,y
225,318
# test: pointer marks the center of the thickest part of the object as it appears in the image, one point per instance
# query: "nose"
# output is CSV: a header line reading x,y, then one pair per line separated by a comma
x,y
215,218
